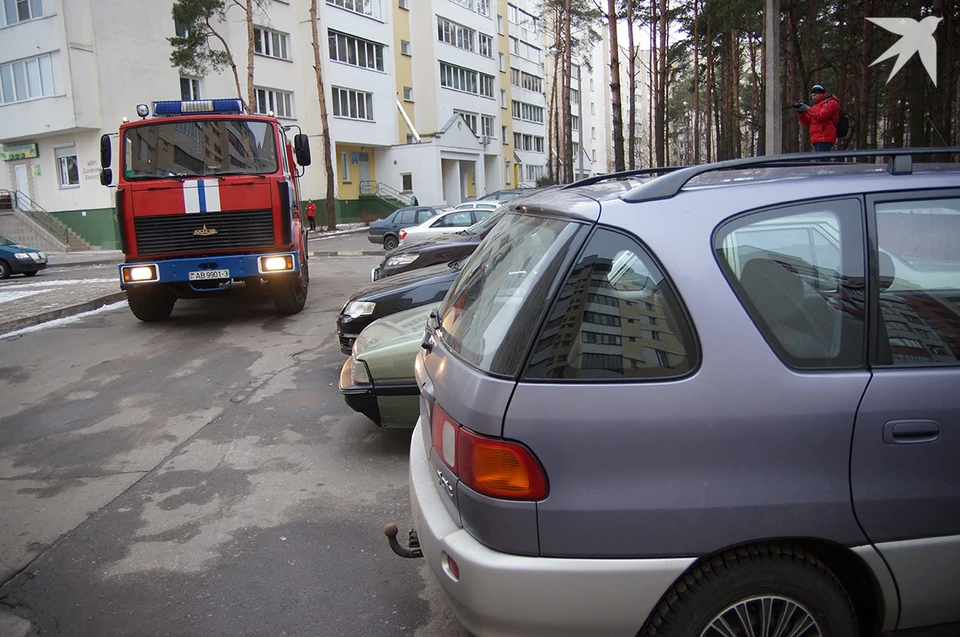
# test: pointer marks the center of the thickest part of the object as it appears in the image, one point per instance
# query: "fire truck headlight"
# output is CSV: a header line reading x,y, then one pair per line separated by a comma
x,y
143,110
139,273
281,263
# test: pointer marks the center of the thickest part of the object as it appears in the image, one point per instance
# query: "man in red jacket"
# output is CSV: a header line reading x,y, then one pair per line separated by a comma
x,y
821,118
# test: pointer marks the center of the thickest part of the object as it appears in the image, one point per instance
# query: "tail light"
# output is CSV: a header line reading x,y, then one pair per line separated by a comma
x,y
490,466
403,235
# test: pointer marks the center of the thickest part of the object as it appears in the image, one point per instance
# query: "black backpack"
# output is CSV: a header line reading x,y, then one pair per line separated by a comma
x,y
843,123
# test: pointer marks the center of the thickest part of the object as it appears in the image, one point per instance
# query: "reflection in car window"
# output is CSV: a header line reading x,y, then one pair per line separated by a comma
x,y
489,315
919,244
616,317
799,272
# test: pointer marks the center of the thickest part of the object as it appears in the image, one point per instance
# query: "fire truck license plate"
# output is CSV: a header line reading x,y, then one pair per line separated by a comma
x,y
206,275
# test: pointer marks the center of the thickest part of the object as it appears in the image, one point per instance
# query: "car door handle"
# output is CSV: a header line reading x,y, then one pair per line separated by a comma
x,y
909,432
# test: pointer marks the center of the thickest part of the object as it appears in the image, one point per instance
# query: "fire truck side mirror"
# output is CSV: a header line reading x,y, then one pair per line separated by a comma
x,y
301,146
106,176
106,154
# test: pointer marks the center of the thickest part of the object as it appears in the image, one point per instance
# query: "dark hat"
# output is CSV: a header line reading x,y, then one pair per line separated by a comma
x,y
817,89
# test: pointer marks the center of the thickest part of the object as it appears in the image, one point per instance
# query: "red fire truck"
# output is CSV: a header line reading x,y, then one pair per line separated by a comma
x,y
207,196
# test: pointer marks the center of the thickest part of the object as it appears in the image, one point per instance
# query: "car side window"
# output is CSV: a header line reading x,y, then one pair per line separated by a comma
x,y
460,219
616,317
799,273
919,268
481,214
407,216
425,213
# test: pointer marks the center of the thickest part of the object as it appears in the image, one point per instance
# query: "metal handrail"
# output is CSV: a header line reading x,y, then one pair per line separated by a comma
x,y
38,215
371,187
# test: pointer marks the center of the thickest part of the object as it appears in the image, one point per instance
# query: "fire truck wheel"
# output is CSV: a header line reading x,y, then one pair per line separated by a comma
x,y
149,304
290,293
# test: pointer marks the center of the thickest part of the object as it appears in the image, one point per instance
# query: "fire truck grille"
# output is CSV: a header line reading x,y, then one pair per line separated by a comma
x,y
200,233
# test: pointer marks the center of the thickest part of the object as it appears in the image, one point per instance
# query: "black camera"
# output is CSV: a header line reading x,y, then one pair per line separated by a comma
x,y
798,104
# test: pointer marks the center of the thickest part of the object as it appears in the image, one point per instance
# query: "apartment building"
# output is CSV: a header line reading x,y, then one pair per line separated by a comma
x,y
444,99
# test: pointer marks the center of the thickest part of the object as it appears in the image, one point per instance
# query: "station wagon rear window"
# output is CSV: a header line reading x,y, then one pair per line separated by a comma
x,y
490,315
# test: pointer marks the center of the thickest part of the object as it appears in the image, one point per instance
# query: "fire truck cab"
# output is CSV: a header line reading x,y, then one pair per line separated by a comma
x,y
207,196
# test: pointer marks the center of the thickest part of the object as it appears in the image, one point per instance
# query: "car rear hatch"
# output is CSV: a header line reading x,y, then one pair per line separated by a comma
x,y
474,349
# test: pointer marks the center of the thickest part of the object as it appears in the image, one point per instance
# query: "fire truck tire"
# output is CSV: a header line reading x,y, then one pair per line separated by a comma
x,y
290,292
150,304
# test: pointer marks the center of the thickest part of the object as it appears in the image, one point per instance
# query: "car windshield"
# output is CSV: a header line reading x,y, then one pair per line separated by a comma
x,y
199,149
6,241
491,220
490,314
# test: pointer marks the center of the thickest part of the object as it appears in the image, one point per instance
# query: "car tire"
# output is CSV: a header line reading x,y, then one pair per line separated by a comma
x,y
150,304
4,270
31,273
390,242
733,586
290,291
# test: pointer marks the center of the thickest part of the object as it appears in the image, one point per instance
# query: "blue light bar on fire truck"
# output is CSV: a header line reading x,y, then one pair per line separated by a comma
x,y
168,108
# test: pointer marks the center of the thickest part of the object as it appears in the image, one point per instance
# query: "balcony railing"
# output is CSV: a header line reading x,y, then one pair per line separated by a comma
x,y
371,188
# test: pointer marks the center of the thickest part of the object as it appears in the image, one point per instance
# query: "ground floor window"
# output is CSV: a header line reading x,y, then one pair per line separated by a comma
x,y
67,167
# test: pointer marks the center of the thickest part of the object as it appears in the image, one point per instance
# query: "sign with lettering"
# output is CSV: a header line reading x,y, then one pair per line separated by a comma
x,y
20,151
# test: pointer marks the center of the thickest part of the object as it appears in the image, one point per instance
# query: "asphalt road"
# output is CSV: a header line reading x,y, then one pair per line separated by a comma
x,y
202,476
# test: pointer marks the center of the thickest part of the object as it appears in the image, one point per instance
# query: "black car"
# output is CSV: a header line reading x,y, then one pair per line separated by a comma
x,y
440,249
388,296
16,258
387,231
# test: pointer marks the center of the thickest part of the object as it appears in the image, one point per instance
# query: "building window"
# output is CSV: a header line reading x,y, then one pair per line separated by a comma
x,y
464,3
67,167
574,122
365,7
483,8
352,104
594,158
455,34
500,24
486,45
503,134
350,50
404,4
502,62
527,112
279,102
593,108
486,125
503,98
14,11
26,79
466,80
508,178
189,88
405,47
408,93
344,168
270,43
406,182
593,132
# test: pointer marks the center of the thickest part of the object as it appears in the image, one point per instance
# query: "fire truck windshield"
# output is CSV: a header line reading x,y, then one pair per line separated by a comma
x,y
199,148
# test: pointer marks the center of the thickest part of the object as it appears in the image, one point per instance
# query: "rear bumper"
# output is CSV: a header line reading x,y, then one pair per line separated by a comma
x,y
502,594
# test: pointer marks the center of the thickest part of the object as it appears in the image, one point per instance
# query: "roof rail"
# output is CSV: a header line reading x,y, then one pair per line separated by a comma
x,y
623,174
667,186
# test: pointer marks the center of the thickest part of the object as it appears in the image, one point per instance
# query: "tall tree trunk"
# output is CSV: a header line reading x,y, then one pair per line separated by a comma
x,y
568,81
330,201
618,162
863,88
708,51
696,81
232,62
632,111
250,92
663,158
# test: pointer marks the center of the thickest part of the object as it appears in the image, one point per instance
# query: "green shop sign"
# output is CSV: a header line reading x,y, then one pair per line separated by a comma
x,y
21,151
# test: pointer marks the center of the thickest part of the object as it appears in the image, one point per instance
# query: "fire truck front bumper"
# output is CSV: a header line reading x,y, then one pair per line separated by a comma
x,y
205,273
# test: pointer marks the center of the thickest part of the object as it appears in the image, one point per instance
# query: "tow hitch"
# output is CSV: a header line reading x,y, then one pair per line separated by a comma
x,y
391,531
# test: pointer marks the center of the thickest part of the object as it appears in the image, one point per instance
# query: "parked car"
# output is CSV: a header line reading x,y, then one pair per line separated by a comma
x,y
722,402
441,249
394,294
444,223
387,231
504,195
478,205
16,258
377,380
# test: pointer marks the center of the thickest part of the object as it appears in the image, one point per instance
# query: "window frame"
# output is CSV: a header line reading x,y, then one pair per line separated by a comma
x,y
267,43
273,100
62,155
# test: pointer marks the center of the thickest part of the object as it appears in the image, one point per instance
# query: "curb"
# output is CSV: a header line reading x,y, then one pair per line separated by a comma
x,y
62,312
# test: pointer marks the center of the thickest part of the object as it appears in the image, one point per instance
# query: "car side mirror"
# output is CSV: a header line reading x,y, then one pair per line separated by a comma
x,y
106,177
106,153
301,147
